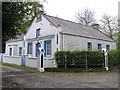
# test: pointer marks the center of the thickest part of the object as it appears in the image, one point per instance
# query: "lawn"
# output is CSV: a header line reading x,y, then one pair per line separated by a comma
x,y
20,67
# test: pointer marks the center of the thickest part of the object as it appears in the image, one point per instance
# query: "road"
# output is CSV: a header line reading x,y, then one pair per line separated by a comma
x,y
15,78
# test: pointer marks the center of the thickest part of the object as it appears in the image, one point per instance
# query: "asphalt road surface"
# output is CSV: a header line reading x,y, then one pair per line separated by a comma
x,y
15,78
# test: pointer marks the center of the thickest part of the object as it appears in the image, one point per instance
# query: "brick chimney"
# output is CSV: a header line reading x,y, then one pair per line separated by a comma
x,y
39,12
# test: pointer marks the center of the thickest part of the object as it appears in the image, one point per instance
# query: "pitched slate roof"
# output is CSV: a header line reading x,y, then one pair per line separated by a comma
x,y
77,29
73,28
18,37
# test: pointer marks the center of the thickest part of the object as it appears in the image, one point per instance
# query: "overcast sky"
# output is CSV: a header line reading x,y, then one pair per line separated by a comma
x,y
67,9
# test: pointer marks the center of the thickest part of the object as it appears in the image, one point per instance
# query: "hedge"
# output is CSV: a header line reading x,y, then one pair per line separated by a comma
x,y
93,58
113,58
79,58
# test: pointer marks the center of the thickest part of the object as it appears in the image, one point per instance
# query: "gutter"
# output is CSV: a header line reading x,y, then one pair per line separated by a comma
x,y
65,33
44,37
14,40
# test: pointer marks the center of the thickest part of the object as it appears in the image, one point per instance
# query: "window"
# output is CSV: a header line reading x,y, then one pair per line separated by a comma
x,y
99,47
29,51
89,46
10,51
57,38
108,47
47,47
38,45
37,33
20,50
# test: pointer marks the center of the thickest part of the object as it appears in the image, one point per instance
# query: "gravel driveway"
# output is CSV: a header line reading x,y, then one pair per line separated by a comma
x,y
61,80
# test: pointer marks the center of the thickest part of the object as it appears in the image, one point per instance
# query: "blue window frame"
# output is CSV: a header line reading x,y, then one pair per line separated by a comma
x,y
47,48
38,45
29,49
10,51
37,33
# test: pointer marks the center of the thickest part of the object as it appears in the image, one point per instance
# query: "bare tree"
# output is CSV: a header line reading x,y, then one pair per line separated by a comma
x,y
86,17
109,25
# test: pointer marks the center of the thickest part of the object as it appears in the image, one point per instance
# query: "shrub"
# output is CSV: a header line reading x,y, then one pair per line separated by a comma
x,y
60,57
113,58
78,58
94,58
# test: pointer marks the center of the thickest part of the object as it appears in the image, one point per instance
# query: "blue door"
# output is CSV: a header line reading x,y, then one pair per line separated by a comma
x,y
37,46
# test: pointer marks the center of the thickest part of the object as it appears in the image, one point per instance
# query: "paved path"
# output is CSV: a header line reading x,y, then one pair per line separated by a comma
x,y
25,79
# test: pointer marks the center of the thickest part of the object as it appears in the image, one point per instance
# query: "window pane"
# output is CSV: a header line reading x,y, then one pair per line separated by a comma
x,y
10,51
99,46
37,33
57,38
20,50
89,46
29,48
108,47
48,48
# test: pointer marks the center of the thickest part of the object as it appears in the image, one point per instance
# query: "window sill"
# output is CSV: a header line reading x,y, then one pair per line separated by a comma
x,y
11,56
48,57
32,57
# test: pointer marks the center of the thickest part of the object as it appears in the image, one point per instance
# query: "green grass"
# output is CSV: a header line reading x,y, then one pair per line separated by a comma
x,y
72,74
20,67
75,70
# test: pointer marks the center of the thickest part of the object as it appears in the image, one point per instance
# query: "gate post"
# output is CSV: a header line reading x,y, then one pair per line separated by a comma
x,y
41,60
104,50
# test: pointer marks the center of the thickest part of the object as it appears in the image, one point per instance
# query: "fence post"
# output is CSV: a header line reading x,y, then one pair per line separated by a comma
x,y
65,62
58,61
86,62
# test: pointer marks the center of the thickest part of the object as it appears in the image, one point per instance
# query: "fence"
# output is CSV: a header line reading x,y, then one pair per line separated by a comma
x,y
85,61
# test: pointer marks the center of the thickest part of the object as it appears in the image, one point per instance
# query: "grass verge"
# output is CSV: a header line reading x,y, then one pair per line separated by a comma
x,y
20,67
75,70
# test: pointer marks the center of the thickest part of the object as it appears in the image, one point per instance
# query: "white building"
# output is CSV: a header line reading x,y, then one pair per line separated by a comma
x,y
53,34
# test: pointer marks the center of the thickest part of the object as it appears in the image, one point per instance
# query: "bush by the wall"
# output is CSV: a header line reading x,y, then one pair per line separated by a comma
x,y
94,58
61,59
79,58
113,58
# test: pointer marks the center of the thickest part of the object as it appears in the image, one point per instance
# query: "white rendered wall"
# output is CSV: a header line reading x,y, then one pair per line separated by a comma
x,y
15,48
33,62
46,28
12,60
80,43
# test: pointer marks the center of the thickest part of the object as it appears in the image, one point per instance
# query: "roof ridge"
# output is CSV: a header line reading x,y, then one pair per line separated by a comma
x,y
69,21
79,24
65,20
